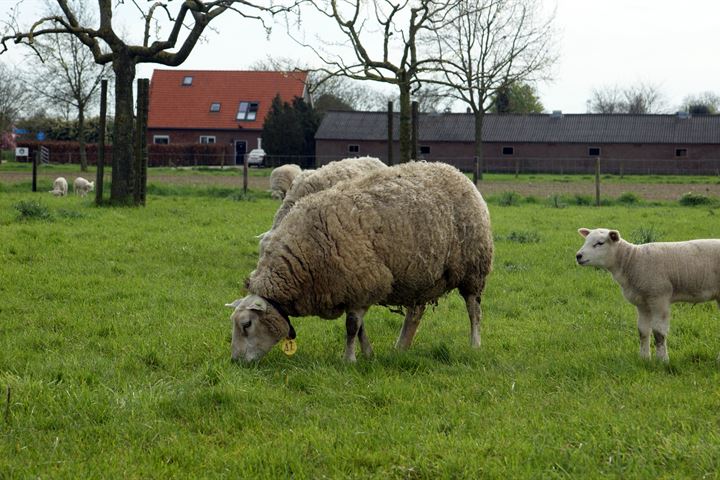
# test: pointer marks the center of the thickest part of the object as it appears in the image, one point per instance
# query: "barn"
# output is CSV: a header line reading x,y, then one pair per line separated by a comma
x,y
553,143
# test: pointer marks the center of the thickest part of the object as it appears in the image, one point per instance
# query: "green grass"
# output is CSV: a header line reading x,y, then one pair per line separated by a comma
x,y
115,347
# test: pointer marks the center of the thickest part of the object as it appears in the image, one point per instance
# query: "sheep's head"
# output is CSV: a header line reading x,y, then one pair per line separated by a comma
x,y
257,327
599,247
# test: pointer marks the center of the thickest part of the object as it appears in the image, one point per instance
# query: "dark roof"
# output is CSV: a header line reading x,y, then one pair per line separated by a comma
x,y
174,105
533,128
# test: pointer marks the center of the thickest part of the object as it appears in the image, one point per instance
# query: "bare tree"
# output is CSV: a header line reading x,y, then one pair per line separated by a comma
x,y
65,73
384,37
639,99
13,97
336,90
488,45
189,19
705,103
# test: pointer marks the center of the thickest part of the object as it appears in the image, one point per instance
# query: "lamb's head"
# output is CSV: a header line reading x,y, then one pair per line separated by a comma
x,y
599,247
91,186
257,326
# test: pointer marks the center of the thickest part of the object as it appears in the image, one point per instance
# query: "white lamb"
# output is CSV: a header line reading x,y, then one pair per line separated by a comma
x,y
60,187
654,275
82,186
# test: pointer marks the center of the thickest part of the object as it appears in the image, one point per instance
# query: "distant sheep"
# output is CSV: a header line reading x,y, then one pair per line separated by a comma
x,y
82,186
653,276
312,181
402,235
282,178
60,187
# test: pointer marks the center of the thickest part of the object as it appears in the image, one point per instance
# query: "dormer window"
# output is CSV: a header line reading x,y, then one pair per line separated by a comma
x,y
187,81
215,107
247,111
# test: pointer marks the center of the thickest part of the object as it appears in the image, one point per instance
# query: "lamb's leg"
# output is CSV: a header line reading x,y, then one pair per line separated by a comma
x,y
644,321
472,303
660,328
410,326
353,327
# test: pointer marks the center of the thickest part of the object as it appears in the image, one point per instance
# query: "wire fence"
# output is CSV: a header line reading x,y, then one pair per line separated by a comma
x,y
507,165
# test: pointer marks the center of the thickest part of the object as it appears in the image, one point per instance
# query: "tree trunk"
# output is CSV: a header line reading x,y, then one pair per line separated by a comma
x,y
405,123
81,138
480,164
121,192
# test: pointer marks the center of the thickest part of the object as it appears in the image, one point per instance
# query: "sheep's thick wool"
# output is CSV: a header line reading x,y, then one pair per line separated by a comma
x,y
402,235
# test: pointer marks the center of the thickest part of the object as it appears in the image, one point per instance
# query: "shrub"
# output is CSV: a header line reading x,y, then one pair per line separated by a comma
x,y
32,209
694,199
555,201
629,198
509,199
582,200
645,235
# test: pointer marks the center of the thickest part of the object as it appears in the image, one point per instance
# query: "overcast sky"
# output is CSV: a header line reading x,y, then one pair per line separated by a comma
x,y
670,44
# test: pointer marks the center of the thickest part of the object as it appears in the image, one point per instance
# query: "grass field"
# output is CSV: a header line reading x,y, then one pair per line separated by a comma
x,y
115,354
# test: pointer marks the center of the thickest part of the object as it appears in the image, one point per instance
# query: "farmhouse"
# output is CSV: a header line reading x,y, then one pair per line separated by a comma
x,y
555,142
217,107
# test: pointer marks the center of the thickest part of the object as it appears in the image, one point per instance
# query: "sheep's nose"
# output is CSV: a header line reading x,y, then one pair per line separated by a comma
x,y
578,257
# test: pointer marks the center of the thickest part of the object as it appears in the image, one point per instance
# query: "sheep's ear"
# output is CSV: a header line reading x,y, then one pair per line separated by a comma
x,y
235,303
258,304
614,235
584,232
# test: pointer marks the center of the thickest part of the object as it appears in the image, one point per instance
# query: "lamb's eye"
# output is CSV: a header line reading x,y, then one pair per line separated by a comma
x,y
597,244
246,325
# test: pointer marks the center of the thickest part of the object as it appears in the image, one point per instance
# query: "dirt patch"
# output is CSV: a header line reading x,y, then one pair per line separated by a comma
x,y
646,191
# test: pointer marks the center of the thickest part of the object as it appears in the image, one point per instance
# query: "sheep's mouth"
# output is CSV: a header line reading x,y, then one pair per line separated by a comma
x,y
583,262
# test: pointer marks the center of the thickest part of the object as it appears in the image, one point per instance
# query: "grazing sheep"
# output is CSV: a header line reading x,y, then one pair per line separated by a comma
x,y
312,181
402,235
654,275
60,187
82,186
282,178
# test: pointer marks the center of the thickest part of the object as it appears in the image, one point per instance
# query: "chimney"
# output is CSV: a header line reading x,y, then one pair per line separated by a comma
x,y
683,115
259,142
556,114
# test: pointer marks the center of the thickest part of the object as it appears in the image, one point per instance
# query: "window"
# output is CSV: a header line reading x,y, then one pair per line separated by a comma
x,y
508,150
215,107
424,150
353,148
207,139
187,81
593,151
161,139
247,111
681,152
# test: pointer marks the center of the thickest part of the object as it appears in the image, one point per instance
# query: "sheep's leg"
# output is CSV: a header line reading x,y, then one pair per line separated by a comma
x,y
354,328
660,328
410,326
365,345
644,322
472,303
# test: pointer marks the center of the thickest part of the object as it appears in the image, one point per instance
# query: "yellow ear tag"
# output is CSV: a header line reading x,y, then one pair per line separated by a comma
x,y
288,346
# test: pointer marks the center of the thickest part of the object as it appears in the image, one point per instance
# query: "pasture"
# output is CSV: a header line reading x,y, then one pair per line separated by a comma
x,y
115,356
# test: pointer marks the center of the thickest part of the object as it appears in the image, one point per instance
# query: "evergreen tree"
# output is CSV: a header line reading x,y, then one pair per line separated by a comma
x,y
289,132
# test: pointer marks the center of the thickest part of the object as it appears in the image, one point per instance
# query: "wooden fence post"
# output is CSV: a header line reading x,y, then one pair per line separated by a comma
x,y
597,181
100,175
245,173
415,131
390,118
476,168
36,158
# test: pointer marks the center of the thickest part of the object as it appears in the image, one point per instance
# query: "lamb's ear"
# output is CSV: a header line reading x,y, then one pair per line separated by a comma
x,y
584,232
614,235
235,303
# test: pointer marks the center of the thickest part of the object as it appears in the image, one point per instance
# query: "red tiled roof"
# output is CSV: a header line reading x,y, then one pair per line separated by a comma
x,y
173,105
